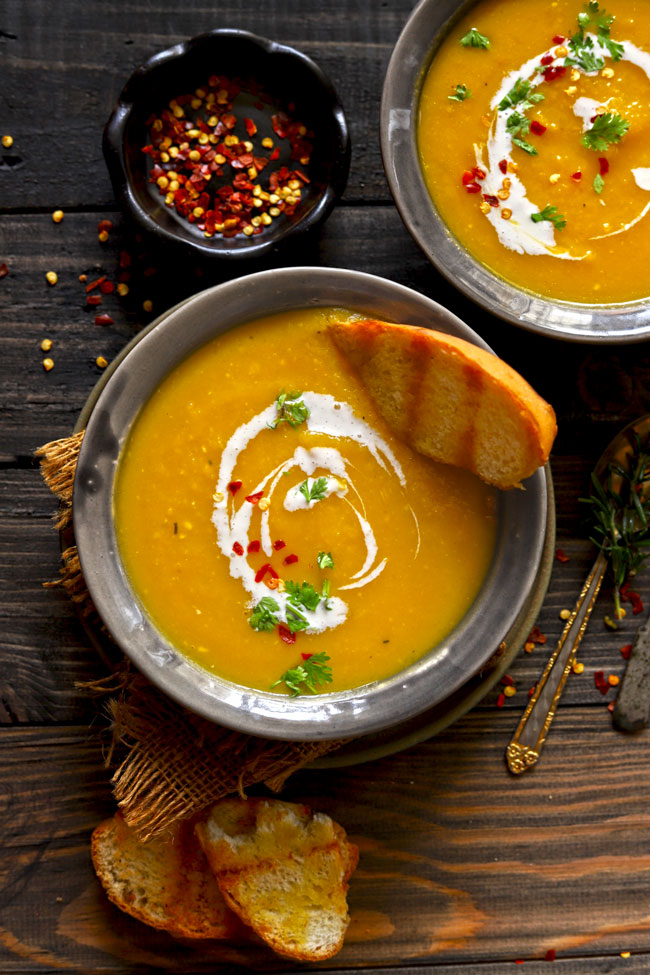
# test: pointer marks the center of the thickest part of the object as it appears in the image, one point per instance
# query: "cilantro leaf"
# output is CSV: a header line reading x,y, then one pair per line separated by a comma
x,y
303,594
263,615
599,183
616,50
583,55
518,126
461,92
295,620
315,492
606,130
325,560
594,15
290,407
518,93
313,673
550,213
473,39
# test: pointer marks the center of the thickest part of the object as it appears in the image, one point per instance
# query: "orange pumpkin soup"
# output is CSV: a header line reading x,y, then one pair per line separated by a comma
x,y
269,521
534,136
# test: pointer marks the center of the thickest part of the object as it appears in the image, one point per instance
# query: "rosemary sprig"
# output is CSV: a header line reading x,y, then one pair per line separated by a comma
x,y
620,507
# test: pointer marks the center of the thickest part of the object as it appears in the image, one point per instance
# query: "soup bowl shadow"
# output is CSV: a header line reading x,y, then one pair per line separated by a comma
x,y
412,55
514,569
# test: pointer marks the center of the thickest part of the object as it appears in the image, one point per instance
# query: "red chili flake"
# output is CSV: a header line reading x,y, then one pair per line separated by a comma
x,y
251,128
577,176
558,39
278,544
4,270
275,154
532,690
604,165
492,200
473,188
254,498
628,596
626,651
94,300
550,955
234,487
601,682
556,71
610,706
503,165
103,320
467,177
536,635
548,59
501,700
306,656
285,634
104,225
238,548
149,271
253,546
507,681
290,559
125,259
560,556
478,173
95,284
537,128
107,287
261,572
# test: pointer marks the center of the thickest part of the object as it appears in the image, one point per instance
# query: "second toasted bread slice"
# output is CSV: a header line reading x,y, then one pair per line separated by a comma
x,y
284,871
451,400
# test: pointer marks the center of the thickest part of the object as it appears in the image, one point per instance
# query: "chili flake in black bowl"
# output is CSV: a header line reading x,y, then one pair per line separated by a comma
x,y
226,164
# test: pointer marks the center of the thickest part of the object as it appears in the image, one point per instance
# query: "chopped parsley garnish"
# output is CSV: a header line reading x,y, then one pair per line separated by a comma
x,y
521,95
599,183
315,492
263,615
582,48
290,407
303,594
606,130
518,126
311,674
550,213
325,560
295,620
473,39
461,92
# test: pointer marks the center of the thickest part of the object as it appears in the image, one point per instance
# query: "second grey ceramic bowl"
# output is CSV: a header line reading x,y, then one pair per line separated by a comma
x,y
411,57
522,519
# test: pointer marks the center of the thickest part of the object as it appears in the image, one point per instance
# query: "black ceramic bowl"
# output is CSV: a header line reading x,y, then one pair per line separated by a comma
x,y
292,82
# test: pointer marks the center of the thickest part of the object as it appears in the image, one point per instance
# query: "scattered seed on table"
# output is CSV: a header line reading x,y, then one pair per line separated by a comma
x,y
57,216
147,305
7,141
48,364
51,277
46,345
101,362
578,667
122,289
510,690
613,680
565,614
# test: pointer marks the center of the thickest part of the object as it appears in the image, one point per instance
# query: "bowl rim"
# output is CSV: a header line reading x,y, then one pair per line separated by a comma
x,y
362,710
126,105
626,322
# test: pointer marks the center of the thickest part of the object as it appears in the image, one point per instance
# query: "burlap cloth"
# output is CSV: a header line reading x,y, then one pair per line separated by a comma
x,y
168,762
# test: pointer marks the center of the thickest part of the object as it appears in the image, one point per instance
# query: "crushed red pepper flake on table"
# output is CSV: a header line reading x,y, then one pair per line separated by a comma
x,y
600,681
4,270
550,955
195,151
103,320
560,556
501,700
626,651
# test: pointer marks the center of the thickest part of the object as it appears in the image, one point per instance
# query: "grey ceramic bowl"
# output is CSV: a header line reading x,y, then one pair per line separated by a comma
x,y
522,519
284,74
411,57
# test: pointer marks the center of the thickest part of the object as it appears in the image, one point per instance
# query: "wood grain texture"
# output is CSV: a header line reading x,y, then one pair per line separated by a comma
x,y
448,871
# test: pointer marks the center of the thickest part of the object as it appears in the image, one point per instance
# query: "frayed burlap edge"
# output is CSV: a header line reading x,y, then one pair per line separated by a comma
x,y
169,763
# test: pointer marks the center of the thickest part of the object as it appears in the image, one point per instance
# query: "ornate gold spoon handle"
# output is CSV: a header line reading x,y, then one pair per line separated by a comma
x,y
528,740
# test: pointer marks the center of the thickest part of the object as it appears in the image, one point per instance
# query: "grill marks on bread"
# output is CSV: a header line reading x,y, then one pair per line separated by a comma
x,y
450,400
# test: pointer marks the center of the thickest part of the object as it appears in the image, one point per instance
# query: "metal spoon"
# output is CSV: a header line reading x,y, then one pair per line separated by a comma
x,y
528,740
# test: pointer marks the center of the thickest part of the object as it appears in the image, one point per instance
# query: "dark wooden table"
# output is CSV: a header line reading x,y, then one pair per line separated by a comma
x,y
464,868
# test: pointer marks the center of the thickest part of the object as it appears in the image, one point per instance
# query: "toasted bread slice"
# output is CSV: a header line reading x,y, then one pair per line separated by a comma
x,y
284,871
450,400
165,882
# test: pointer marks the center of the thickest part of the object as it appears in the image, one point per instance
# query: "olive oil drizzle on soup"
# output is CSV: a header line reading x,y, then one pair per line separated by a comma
x,y
265,513
534,141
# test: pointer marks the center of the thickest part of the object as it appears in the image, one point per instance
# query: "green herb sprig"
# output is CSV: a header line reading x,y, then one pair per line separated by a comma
x,y
310,675
474,39
263,616
460,93
606,130
620,509
290,408
550,213
315,491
